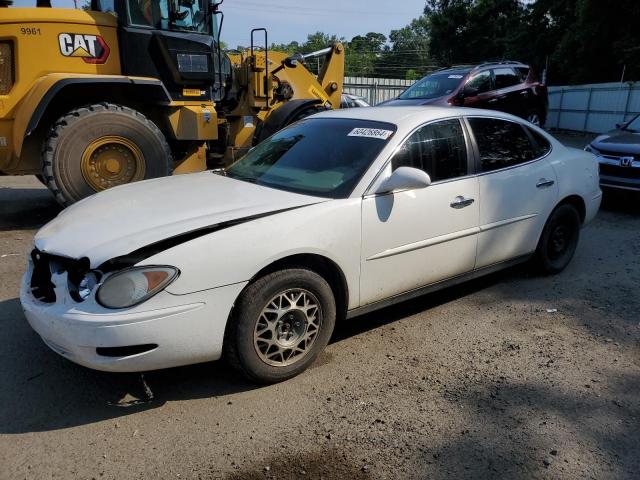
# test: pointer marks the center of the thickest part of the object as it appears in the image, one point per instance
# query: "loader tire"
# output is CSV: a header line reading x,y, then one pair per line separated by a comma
x,y
102,146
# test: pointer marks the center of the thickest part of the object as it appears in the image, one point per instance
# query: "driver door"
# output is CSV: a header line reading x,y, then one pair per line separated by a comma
x,y
418,237
478,91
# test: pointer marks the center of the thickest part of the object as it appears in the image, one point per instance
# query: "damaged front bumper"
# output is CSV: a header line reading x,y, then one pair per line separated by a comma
x,y
167,331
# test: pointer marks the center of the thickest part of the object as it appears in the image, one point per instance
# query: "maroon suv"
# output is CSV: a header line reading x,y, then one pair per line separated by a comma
x,y
510,87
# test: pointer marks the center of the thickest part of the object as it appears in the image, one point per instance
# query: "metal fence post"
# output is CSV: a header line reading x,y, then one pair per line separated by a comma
x,y
586,113
626,103
559,109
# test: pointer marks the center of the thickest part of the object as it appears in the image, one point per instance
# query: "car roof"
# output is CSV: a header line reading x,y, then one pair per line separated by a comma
x,y
478,66
453,70
407,116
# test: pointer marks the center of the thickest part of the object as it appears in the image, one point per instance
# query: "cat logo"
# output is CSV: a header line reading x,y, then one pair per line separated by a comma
x,y
91,48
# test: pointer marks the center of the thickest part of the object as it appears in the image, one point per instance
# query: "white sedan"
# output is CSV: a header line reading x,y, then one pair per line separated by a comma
x,y
339,214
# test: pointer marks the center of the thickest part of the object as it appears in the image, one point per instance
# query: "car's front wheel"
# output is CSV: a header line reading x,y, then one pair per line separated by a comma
x,y
279,325
559,240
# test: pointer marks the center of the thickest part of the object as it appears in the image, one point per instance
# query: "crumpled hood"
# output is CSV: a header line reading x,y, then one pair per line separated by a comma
x,y
621,141
123,219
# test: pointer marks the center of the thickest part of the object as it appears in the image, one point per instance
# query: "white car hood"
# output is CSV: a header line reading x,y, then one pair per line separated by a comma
x,y
123,219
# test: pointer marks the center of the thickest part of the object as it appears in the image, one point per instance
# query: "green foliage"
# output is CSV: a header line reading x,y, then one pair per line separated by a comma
x,y
581,41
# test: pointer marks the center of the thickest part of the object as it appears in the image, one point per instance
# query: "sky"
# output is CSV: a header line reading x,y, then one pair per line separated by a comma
x,y
288,20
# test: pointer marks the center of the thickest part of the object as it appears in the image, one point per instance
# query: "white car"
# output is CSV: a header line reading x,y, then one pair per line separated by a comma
x,y
337,215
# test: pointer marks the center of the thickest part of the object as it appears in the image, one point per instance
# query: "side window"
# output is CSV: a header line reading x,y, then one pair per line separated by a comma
x,y
542,143
501,143
523,72
147,13
480,83
505,77
438,148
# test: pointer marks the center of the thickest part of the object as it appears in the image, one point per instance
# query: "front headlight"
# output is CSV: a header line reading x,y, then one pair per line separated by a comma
x,y
134,286
590,149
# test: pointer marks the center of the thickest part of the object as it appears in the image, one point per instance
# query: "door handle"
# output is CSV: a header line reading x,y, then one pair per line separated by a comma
x,y
544,183
461,202
493,100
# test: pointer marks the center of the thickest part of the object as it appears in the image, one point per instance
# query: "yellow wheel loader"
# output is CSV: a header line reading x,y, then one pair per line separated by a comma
x,y
137,89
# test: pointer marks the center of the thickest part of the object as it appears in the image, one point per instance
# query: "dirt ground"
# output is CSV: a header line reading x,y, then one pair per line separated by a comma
x,y
509,376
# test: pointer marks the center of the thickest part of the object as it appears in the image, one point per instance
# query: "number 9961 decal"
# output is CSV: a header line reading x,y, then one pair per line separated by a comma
x,y
91,48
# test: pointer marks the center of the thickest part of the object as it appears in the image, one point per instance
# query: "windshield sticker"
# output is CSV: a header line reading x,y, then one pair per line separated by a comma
x,y
371,133
455,76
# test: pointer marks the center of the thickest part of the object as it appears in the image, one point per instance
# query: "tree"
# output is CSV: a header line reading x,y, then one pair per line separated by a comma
x,y
409,50
362,53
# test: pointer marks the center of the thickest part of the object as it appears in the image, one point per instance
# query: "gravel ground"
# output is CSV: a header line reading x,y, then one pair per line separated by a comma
x,y
508,376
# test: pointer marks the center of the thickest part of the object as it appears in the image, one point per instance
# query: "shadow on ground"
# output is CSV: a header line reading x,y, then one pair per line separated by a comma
x,y
43,391
26,208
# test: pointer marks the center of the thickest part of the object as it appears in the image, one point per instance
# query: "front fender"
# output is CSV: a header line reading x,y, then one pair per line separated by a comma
x,y
234,255
44,91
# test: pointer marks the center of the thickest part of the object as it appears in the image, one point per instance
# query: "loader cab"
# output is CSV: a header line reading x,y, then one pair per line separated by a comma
x,y
173,40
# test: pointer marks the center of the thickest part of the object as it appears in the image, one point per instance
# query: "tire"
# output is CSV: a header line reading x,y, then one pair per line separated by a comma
x,y
259,135
253,326
71,154
558,241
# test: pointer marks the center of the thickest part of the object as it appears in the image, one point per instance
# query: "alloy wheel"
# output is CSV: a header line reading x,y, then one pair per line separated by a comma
x,y
287,327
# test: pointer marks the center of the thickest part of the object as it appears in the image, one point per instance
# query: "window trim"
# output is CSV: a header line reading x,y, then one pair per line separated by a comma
x,y
476,149
471,162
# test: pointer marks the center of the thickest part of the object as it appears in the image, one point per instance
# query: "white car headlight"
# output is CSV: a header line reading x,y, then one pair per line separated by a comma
x,y
131,287
590,149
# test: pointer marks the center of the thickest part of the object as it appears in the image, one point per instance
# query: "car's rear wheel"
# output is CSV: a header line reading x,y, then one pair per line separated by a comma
x,y
559,240
279,325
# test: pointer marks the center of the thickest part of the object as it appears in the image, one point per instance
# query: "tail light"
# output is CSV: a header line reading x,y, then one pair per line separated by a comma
x,y
6,67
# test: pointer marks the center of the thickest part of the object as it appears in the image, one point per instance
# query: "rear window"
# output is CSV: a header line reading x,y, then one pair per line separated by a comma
x,y
505,77
316,156
501,143
542,144
523,72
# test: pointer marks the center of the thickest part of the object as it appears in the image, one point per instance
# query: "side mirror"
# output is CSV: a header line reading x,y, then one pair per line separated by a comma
x,y
619,125
405,178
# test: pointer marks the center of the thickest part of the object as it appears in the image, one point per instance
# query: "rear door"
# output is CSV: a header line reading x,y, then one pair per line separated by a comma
x,y
518,189
418,237
508,92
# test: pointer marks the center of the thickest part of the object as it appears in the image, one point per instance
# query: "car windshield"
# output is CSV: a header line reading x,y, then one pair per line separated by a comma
x,y
633,125
433,86
322,157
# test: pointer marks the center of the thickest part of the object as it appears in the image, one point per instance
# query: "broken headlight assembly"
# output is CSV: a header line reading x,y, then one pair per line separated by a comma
x,y
133,286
